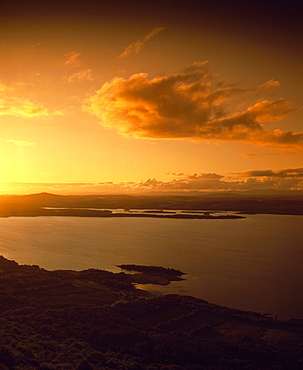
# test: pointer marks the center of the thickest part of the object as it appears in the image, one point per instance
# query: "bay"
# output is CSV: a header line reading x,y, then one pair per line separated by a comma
x,y
250,264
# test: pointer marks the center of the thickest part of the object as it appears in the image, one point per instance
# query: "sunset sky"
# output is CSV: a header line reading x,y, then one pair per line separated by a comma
x,y
140,96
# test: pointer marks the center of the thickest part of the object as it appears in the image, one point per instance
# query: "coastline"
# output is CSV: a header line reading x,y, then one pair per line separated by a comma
x,y
262,275
106,213
165,205
48,318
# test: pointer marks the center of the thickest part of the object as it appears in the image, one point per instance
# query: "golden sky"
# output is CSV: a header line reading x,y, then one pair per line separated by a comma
x,y
129,96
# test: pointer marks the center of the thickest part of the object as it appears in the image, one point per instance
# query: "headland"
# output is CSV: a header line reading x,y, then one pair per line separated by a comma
x,y
95,319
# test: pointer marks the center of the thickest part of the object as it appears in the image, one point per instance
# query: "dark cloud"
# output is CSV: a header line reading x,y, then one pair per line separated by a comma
x,y
255,180
286,173
192,104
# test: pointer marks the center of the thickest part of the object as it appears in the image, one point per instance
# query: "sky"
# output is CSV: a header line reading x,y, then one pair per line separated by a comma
x,y
140,97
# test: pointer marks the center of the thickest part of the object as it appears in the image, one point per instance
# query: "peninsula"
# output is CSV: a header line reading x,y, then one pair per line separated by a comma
x,y
95,319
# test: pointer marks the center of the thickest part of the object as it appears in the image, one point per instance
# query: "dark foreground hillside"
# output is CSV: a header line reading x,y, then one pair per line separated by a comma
x,y
95,319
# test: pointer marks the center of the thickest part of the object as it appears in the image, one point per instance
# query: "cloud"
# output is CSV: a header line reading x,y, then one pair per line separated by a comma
x,y
270,83
288,179
212,182
72,59
186,182
248,155
20,142
285,173
81,76
12,102
21,107
136,46
4,88
194,105
180,183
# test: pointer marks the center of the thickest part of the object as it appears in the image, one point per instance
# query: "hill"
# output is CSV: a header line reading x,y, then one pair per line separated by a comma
x,y
277,203
94,319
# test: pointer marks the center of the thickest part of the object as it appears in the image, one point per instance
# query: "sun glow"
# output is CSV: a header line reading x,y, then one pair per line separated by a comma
x,y
84,99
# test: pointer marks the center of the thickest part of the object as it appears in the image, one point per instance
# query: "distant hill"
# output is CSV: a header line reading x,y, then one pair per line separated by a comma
x,y
42,197
279,202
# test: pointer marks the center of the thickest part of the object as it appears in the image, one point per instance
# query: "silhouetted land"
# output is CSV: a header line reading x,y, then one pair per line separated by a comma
x,y
153,274
288,203
95,319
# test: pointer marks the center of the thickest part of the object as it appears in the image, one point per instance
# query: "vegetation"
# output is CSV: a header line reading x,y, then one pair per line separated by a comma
x,y
95,319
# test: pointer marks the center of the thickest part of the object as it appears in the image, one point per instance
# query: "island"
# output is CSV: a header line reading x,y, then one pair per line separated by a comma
x,y
32,211
96,319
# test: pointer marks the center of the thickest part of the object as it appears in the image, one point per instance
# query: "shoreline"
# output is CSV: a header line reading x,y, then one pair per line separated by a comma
x,y
51,319
116,281
283,203
170,215
106,213
12,271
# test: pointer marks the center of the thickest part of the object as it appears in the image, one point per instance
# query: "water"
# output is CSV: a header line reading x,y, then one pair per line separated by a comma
x,y
251,264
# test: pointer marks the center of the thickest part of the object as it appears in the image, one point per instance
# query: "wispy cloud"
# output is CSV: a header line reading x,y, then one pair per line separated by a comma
x,y
192,104
72,59
5,88
81,76
136,46
19,142
21,107
248,155
13,102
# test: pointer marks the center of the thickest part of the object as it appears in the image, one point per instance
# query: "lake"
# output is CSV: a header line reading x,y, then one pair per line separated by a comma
x,y
250,264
